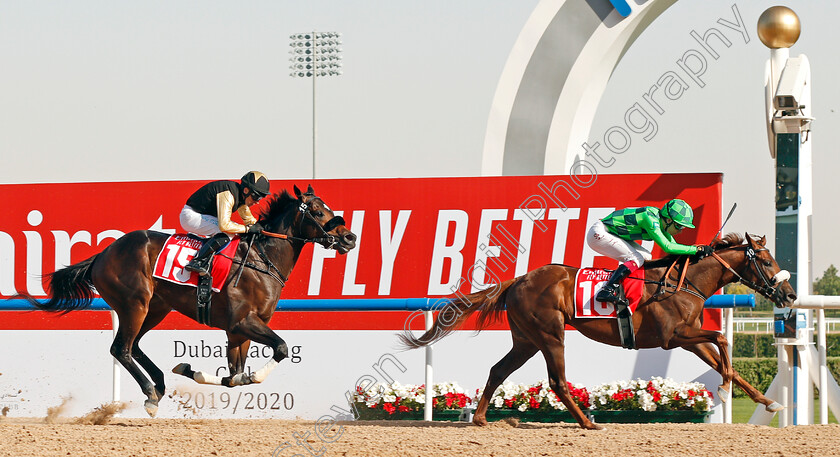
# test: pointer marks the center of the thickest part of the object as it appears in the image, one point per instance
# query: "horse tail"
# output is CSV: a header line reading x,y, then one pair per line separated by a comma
x,y
71,288
489,303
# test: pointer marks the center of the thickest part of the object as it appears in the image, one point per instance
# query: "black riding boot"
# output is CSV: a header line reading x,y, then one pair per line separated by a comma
x,y
610,291
201,262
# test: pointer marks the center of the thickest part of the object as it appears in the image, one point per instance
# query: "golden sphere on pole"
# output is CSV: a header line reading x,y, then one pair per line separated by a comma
x,y
778,27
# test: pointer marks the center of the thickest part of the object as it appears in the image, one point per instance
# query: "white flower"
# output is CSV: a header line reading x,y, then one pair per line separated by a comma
x,y
523,407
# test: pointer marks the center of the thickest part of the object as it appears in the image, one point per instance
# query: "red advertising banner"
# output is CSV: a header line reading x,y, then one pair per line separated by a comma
x,y
418,237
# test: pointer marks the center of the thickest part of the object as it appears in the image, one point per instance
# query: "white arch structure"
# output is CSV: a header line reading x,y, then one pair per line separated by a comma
x,y
553,81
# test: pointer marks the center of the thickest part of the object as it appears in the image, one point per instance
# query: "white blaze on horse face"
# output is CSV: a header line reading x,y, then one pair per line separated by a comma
x,y
782,275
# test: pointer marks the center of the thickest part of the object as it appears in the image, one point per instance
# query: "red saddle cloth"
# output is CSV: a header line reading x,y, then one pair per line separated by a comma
x,y
177,252
589,281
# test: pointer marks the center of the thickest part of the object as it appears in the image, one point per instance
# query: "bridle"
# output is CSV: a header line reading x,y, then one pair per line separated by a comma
x,y
328,241
769,287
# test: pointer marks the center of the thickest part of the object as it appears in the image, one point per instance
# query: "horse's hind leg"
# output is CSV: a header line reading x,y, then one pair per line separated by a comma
x,y
521,352
707,354
131,322
153,318
556,361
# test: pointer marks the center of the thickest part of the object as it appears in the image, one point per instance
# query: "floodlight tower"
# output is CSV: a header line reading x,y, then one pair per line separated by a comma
x,y
315,54
788,114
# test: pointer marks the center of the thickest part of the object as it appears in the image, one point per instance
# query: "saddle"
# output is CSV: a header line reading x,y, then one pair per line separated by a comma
x,y
176,253
589,281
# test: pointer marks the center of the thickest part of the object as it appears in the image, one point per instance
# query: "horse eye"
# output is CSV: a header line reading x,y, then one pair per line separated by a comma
x,y
318,214
767,263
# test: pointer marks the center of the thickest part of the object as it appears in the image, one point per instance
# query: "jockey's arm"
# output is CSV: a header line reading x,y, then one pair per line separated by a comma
x,y
245,213
224,209
664,240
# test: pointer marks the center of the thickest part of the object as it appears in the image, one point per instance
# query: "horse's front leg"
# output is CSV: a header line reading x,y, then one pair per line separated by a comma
x,y
253,328
686,336
707,354
237,353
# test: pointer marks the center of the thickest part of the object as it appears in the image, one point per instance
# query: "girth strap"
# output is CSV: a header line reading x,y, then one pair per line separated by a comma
x,y
204,293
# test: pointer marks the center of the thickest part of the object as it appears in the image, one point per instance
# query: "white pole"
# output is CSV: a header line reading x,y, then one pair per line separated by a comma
x,y
115,387
821,348
784,377
727,406
314,75
427,410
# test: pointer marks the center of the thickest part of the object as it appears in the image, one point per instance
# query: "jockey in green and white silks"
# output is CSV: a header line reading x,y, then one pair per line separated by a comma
x,y
614,236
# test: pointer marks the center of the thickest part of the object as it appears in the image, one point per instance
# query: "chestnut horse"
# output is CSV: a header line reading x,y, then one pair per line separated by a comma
x,y
540,304
122,275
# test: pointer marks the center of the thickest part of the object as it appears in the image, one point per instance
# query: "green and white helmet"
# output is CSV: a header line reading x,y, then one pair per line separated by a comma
x,y
679,212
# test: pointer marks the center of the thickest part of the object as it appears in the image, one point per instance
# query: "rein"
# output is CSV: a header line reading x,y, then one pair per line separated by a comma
x,y
327,241
679,286
766,289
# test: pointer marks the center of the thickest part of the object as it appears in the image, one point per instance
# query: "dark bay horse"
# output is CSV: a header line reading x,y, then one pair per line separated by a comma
x,y
540,303
122,275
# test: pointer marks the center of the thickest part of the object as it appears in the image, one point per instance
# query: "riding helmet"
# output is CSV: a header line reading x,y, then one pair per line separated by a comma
x,y
679,212
257,182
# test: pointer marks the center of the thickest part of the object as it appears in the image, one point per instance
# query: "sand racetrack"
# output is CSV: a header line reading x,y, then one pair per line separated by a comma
x,y
187,438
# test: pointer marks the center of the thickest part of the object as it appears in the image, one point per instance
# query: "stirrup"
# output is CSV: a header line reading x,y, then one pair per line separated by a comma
x,y
608,293
201,267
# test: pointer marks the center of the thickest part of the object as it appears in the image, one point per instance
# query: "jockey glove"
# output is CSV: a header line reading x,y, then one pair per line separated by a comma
x,y
256,228
704,251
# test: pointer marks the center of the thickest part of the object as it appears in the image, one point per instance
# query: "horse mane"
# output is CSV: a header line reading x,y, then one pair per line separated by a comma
x,y
729,240
282,206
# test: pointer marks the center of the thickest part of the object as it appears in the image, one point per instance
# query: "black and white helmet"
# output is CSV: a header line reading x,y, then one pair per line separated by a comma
x,y
257,182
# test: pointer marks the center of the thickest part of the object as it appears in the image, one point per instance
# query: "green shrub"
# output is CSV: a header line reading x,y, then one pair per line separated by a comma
x,y
755,345
759,372
761,345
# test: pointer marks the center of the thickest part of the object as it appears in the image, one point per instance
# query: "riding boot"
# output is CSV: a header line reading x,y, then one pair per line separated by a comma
x,y
610,291
201,262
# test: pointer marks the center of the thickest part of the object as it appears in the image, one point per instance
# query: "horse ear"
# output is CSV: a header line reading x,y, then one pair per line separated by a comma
x,y
310,190
297,192
749,239
762,240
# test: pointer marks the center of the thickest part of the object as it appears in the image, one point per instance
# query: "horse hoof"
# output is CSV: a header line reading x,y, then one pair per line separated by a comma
x,y
151,407
774,407
480,421
594,426
181,369
723,394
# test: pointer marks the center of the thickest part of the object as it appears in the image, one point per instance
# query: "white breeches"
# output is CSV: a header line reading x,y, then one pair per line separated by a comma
x,y
605,243
200,224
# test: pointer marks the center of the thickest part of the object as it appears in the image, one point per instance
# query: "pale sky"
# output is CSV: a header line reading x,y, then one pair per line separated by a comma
x,y
115,90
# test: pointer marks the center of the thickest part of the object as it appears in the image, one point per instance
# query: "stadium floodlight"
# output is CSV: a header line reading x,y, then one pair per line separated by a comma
x,y
314,55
